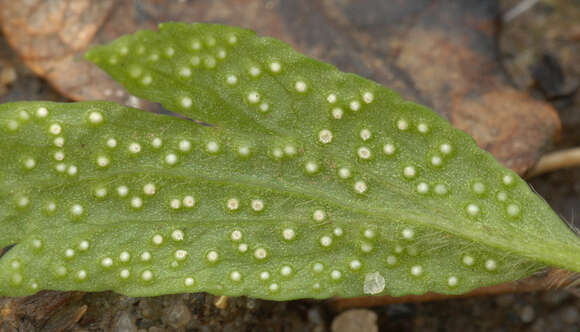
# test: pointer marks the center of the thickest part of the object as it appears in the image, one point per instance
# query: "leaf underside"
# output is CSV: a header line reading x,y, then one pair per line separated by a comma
x,y
309,183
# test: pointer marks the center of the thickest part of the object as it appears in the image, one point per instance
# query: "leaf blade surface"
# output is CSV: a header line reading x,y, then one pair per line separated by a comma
x,y
387,197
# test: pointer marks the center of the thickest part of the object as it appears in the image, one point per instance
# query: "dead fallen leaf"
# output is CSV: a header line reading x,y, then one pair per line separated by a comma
x,y
42,309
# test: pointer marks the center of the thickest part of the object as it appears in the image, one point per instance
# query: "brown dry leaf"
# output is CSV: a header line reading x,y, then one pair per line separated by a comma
x,y
50,36
43,310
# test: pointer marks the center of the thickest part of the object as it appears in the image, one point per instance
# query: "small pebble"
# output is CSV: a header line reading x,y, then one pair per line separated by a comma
x,y
527,314
251,304
400,310
315,316
8,76
359,320
505,300
539,325
234,326
555,297
570,315
124,323
177,316
150,309
157,329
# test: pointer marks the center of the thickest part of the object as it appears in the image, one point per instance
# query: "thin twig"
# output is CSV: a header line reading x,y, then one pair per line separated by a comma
x,y
555,161
519,9
221,302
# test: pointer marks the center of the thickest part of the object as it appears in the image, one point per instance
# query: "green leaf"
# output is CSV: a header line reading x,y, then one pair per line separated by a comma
x,y
293,200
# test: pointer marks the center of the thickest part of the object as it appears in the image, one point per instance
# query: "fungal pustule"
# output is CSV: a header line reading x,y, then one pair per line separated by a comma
x,y
184,145
136,202
319,215
188,201
288,234
337,113
275,67
325,136
111,143
171,159
374,283
189,281
253,97
134,148
325,241
254,71
335,274
344,172
408,233
311,167
286,271
95,118
180,254
149,189
368,97
212,147
300,86
212,256
244,151
365,134
360,187
416,270
103,161
409,172
257,205
364,153
260,253
235,276
231,79
185,72
233,204
236,235
41,112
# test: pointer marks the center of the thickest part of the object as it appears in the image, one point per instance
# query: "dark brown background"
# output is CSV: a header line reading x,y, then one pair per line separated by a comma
x,y
512,85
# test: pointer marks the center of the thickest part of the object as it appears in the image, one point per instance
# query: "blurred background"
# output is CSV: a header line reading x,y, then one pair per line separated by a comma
x,y
505,71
